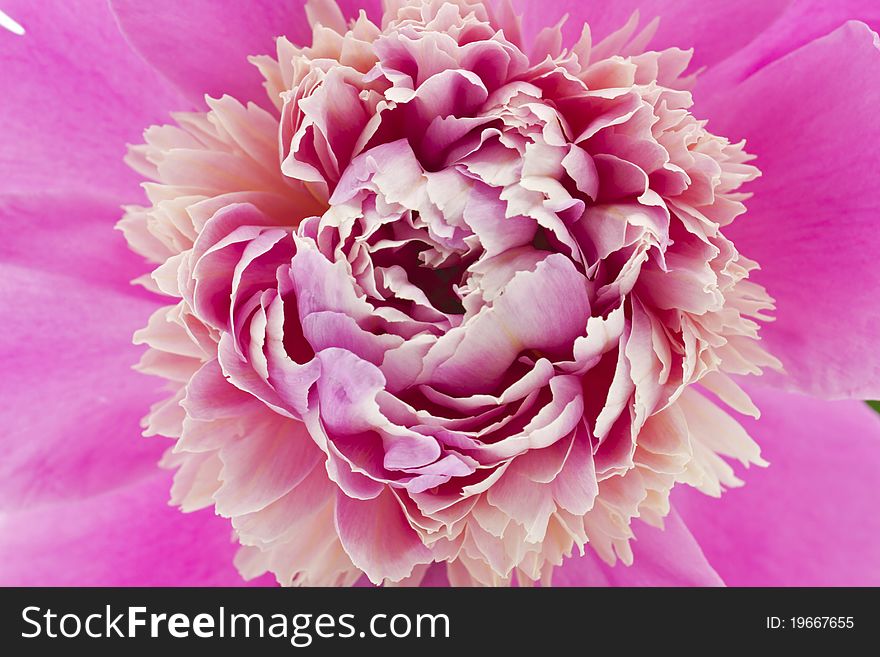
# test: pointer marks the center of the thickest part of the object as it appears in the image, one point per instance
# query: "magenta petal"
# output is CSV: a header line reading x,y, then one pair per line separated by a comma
x,y
714,29
70,235
203,46
811,118
810,518
800,23
662,557
73,94
71,403
126,537
435,576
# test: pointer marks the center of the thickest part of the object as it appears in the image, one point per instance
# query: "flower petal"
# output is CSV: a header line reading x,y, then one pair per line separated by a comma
x,y
662,557
126,537
810,518
73,94
71,402
714,29
802,21
202,46
811,118
377,537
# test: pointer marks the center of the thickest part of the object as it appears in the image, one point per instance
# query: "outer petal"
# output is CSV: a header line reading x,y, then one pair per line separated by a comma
x,y
812,120
73,94
810,519
802,22
662,557
71,402
127,537
714,28
202,46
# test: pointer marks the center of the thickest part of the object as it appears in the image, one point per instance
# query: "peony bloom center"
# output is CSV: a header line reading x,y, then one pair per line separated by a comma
x,y
457,299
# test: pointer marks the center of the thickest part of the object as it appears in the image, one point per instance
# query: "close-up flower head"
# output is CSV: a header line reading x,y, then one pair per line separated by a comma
x,y
440,292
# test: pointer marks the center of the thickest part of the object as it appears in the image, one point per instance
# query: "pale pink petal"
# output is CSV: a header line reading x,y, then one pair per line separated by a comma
x,y
73,94
266,464
810,518
126,537
811,118
516,322
376,536
662,557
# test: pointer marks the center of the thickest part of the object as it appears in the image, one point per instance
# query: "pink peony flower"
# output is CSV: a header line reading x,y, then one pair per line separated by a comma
x,y
446,291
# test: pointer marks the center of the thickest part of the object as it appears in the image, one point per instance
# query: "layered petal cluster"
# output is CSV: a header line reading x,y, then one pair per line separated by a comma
x,y
457,300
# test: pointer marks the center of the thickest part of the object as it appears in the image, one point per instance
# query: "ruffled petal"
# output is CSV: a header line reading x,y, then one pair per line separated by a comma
x,y
377,537
810,518
811,118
